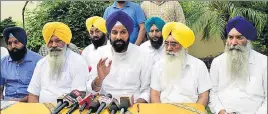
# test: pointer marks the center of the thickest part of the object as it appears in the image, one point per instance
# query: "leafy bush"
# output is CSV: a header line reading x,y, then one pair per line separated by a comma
x,y
72,13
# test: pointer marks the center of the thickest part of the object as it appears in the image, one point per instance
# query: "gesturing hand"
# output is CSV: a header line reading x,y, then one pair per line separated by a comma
x,y
103,70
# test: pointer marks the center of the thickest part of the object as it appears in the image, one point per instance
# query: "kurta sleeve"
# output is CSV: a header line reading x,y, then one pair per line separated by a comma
x,y
145,78
35,83
263,108
215,104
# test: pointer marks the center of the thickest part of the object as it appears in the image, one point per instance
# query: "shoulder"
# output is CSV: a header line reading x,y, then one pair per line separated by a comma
x,y
42,61
219,58
195,62
258,57
145,44
34,55
87,49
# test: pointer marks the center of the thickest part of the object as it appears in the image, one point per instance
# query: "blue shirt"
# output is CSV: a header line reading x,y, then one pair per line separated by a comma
x,y
134,11
16,77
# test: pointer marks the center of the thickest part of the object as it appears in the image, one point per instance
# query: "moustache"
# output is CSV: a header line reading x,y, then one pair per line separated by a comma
x,y
55,49
237,48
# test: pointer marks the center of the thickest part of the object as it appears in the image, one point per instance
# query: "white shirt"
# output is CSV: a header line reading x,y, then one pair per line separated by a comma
x,y
74,76
129,74
194,80
91,56
156,54
246,100
4,52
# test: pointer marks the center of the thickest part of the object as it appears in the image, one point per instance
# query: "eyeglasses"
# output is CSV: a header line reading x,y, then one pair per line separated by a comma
x,y
172,44
15,42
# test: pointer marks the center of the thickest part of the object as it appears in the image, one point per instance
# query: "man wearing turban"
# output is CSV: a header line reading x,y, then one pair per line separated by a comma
x,y
61,71
179,77
123,68
97,32
17,67
239,75
154,47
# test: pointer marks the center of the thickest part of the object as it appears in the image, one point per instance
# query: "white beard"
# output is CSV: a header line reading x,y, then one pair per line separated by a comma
x,y
237,63
56,62
172,67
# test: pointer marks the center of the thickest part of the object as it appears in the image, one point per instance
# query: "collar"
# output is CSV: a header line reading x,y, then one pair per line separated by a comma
x,y
158,4
26,58
126,5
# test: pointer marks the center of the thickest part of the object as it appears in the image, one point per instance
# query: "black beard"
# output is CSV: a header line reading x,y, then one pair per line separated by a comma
x,y
156,44
121,2
17,54
97,42
120,47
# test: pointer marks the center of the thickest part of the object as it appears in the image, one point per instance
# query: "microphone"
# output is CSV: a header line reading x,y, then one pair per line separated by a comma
x,y
104,101
93,107
59,102
124,104
114,106
85,102
68,100
74,107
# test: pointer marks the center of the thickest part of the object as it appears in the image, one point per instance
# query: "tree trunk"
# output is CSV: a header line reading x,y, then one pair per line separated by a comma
x,y
23,10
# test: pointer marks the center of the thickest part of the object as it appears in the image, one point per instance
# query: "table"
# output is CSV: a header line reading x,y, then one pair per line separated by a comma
x,y
152,108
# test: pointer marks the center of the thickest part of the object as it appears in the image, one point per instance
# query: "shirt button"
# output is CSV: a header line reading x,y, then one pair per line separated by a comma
x,y
17,74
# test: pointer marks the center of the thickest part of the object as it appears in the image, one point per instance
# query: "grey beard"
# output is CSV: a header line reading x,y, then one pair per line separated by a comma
x,y
173,63
237,61
56,62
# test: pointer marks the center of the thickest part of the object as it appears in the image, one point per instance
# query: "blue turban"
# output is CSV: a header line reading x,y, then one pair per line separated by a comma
x,y
123,18
17,32
243,26
158,22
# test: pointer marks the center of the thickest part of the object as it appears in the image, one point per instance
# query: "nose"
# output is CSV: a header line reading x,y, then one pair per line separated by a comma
x,y
94,34
169,48
54,44
154,34
118,36
13,45
234,42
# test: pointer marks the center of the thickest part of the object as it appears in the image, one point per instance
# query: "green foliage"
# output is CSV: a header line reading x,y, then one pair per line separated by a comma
x,y
210,18
8,22
72,13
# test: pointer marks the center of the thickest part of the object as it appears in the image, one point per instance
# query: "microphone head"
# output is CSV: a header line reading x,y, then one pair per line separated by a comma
x,y
109,95
87,100
94,106
124,103
113,107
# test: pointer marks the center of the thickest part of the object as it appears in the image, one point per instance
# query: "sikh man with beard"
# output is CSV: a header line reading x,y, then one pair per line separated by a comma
x,y
97,32
123,69
179,77
17,67
239,75
154,46
61,71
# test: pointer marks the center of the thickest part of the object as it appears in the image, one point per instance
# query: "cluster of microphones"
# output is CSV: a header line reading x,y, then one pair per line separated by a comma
x,y
93,103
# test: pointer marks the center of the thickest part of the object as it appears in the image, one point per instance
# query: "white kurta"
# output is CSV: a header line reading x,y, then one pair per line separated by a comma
x,y
74,76
129,74
251,99
156,54
4,52
90,54
194,80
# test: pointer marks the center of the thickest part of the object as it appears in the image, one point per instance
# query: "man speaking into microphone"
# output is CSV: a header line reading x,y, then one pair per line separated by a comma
x,y
61,71
123,68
